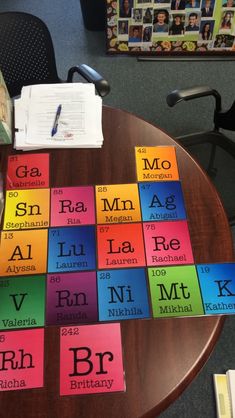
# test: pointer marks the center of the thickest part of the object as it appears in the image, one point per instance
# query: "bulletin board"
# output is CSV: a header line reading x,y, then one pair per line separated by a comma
x,y
171,27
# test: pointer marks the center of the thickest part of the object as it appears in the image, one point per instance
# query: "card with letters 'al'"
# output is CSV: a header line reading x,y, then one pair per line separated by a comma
x,y
22,359
91,359
27,171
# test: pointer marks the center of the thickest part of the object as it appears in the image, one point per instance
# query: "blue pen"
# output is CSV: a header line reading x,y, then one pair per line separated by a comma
x,y
55,124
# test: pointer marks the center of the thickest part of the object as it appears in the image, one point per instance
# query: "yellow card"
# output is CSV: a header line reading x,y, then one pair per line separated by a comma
x,y
117,203
156,163
23,252
26,209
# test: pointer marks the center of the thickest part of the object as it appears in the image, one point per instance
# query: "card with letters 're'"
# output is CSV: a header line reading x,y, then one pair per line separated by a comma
x,y
27,171
91,359
21,359
156,163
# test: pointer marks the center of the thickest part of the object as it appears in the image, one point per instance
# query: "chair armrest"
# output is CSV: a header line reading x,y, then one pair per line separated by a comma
x,y
177,96
101,85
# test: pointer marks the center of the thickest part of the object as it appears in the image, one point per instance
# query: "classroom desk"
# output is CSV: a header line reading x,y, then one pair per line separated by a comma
x,y
161,357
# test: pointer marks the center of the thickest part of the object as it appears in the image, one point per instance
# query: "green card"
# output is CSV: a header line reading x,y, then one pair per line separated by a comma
x,y
22,302
175,291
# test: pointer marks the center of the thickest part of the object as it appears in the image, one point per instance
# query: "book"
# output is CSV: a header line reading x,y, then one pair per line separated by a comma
x,y
230,374
5,113
223,406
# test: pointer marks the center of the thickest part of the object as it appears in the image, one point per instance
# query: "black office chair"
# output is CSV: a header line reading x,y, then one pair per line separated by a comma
x,y
27,55
222,120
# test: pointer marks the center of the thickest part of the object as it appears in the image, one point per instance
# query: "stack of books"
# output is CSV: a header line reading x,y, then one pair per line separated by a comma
x,y
66,115
5,113
224,385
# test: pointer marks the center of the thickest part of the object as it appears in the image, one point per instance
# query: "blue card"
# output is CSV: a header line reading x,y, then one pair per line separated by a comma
x,y
71,249
162,201
122,294
217,283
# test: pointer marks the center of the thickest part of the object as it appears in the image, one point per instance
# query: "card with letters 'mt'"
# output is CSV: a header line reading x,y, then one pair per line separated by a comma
x,y
21,359
27,171
91,359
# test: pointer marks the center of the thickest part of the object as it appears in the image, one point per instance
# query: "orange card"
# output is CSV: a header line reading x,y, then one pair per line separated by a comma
x,y
120,246
23,252
156,163
117,203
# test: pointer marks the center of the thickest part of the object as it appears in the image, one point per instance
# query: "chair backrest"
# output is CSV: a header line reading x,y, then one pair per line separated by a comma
x,y
26,51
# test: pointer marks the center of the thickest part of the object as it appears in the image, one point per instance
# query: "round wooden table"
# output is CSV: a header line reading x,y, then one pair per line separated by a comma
x,y
161,356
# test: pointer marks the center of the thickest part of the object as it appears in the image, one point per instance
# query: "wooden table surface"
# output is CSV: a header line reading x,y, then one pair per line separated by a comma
x,y
161,356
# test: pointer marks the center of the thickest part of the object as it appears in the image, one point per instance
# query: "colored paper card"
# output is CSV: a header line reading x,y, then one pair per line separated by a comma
x,y
162,201
117,203
27,171
23,252
122,294
27,209
71,298
72,206
167,243
156,163
21,359
120,246
175,291
217,283
91,359
71,249
22,302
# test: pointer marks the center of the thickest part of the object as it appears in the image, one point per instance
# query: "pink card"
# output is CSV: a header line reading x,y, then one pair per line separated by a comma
x,y
72,206
28,171
91,359
167,243
21,359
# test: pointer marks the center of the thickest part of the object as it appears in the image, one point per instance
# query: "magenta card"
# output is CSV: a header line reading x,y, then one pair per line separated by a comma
x,y
91,359
72,206
21,359
167,243
71,298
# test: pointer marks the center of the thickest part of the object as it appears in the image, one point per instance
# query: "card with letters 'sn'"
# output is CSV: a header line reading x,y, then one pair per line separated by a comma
x,y
91,359
27,209
156,163
27,171
21,359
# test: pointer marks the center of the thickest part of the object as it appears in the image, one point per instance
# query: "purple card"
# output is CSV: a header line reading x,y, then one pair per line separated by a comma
x,y
71,298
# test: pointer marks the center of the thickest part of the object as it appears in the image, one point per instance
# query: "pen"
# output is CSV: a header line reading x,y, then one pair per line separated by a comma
x,y
55,124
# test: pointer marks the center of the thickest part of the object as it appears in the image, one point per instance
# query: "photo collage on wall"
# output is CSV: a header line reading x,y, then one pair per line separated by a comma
x,y
155,26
